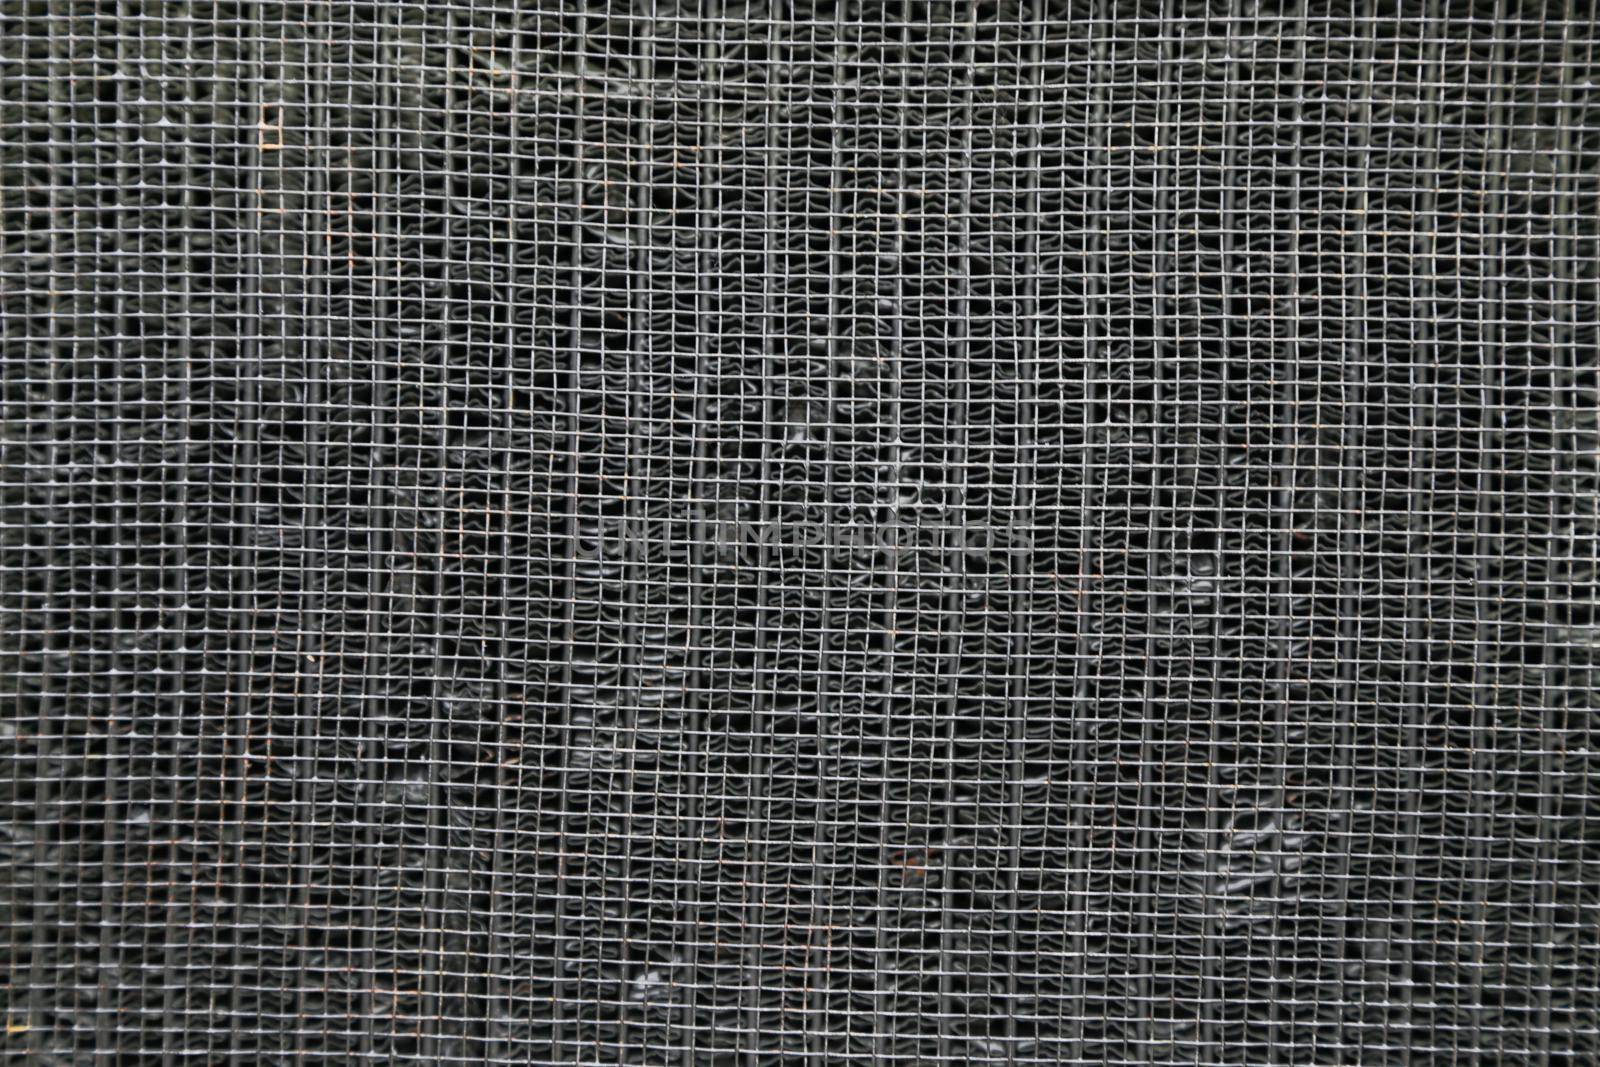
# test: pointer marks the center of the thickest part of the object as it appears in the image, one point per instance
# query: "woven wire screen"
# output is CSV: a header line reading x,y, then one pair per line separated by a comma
x,y
739,533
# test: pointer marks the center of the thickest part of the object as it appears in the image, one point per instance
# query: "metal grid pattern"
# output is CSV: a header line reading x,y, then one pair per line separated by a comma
x,y
750,532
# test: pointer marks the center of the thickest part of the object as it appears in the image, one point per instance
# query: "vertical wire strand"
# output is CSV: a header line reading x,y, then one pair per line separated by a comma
x,y
1486,594
952,616
47,834
708,131
761,831
244,514
115,870
821,918
567,646
1019,572
1093,316
316,571
1340,835
1419,497
1213,982
1285,465
179,956
1547,870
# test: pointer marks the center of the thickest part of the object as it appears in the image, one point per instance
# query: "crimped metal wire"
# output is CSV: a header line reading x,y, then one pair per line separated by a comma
x,y
763,532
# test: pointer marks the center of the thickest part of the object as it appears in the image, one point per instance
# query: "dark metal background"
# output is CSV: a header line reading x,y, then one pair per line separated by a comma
x,y
740,533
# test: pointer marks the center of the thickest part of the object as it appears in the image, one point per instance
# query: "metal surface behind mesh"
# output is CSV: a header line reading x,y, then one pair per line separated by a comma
x,y
739,533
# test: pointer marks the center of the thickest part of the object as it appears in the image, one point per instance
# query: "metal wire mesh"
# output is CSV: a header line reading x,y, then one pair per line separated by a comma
x,y
548,531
